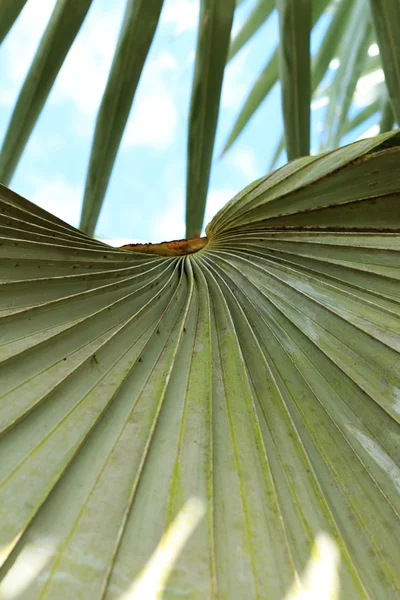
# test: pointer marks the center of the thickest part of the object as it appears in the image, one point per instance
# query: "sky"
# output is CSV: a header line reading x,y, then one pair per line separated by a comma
x,y
146,195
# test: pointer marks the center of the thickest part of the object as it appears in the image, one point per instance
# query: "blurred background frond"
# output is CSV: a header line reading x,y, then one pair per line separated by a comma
x,y
336,63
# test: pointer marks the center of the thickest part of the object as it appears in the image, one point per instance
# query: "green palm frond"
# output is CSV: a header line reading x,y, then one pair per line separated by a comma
x,y
352,54
137,32
218,424
212,49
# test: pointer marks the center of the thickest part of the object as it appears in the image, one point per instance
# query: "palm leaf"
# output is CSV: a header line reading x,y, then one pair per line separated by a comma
x,y
352,55
363,115
370,65
386,18
331,40
263,85
137,32
320,63
258,93
378,105
9,10
295,74
211,424
63,27
387,119
212,49
254,21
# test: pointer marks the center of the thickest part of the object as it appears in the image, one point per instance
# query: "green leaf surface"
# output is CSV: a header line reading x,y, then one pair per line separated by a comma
x,y
295,74
254,21
386,19
352,56
137,32
9,11
60,33
224,424
212,48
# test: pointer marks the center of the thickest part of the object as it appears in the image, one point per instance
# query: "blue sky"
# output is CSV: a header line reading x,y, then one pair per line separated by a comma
x,y
145,198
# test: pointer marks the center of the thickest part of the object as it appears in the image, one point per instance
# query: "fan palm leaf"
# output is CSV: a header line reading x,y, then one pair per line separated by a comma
x,y
217,418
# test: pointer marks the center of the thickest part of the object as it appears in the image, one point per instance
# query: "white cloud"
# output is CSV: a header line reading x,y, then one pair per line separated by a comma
x,y
154,118
236,27
83,76
183,15
118,242
153,122
58,197
20,46
237,79
373,50
191,57
8,96
319,102
217,198
164,62
22,42
82,80
169,226
368,88
43,145
371,132
334,64
244,160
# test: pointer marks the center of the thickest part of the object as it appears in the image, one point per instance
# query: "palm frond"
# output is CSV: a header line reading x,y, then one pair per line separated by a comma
x,y
254,21
213,424
137,32
295,74
212,48
386,17
136,36
9,10
60,34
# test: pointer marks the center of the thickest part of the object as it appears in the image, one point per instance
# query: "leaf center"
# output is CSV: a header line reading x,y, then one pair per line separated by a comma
x,y
174,248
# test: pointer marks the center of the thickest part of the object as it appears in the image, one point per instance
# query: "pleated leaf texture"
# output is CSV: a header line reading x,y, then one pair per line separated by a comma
x,y
221,424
